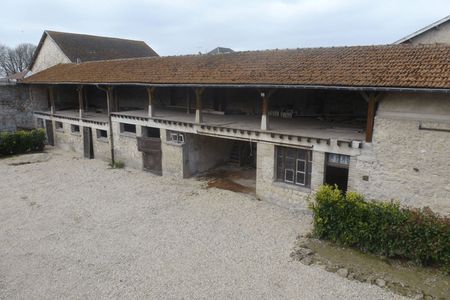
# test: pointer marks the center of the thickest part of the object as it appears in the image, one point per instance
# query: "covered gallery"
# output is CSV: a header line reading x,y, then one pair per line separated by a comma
x,y
300,117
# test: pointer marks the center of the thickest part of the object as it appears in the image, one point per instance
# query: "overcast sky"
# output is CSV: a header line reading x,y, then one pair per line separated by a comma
x,y
173,27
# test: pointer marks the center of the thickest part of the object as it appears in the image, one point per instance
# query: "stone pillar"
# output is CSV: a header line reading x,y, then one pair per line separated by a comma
x,y
198,105
80,100
318,169
151,98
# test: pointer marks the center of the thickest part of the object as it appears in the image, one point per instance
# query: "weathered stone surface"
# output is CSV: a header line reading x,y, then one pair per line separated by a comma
x,y
343,272
282,194
380,282
15,107
307,260
404,162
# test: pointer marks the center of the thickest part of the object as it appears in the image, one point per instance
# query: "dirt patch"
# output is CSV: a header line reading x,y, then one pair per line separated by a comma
x,y
232,179
398,276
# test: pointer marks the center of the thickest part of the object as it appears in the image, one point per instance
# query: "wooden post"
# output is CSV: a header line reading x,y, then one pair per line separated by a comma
x,y
80,100
109,103
151,101
188,101
51,94
370,117
198,105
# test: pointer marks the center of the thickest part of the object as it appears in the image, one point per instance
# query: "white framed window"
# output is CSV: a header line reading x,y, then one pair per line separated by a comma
x,y
338,160
175,137
293,166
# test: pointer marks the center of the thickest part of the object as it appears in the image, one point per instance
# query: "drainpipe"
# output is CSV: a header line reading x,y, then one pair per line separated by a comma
x,y
108,90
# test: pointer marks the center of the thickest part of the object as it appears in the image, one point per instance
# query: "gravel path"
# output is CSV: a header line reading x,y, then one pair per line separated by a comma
x,y
72,228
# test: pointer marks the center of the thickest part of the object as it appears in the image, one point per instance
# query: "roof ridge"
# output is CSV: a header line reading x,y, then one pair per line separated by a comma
x,y
92,35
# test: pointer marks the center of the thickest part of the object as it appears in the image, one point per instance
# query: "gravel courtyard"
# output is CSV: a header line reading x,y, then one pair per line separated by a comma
x,y
73,228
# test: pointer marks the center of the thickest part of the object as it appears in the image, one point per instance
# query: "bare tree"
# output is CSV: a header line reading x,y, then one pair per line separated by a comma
x,y
14,60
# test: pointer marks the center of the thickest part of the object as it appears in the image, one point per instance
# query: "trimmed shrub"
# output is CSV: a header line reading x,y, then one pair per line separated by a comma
x,y
21,141
383,228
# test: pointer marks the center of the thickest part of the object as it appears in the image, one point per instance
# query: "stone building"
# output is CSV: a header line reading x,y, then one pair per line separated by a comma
x,y
437,32
374,119
16,108
63,47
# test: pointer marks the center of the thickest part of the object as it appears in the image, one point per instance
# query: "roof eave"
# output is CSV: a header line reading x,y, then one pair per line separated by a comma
x,y
259,86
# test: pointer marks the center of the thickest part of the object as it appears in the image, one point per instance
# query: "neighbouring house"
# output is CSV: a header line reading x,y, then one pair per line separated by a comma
x,y
63,47
221,50
16,107
437,32
374,119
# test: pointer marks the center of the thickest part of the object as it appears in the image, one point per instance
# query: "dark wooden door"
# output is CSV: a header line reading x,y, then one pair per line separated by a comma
x,y
151,154
87,143
49,132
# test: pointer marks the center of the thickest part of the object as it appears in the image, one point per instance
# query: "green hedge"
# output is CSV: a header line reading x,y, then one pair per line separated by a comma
x,y
21,141
383,228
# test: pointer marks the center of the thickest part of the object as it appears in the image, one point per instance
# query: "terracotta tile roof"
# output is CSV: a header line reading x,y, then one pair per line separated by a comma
x,y
405,66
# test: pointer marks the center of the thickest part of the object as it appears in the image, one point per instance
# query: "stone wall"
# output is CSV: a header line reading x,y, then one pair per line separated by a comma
x,y
405,162
102,149
49,55
173,158
125,147
67,140
280,193
17,105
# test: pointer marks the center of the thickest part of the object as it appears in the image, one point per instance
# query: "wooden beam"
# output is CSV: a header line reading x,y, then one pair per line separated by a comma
x,y
109,100
370,117
188,101
80,100
151,92
198,105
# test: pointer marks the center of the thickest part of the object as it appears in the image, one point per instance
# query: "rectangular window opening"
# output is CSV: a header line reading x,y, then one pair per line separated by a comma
x,y
152,132
293,166
102,134
75,128
59,126
127,128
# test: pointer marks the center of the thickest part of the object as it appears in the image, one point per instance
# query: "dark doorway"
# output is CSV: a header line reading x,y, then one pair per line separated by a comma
x,y
243,154
150,146
87,143
49,132
336,170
